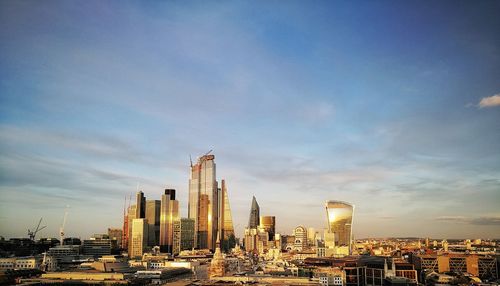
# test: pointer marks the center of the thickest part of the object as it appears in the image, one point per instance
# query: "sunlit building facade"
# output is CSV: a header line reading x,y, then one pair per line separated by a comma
x,y
203,202
169,214
300,234
153,217
268,224
340,216
253,220
225,219
139,237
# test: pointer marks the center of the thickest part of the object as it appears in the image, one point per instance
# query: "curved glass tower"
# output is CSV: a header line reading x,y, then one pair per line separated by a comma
x,y
339,215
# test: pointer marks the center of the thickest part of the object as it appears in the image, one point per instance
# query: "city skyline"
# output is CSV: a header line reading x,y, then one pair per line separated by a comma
x,y
393,107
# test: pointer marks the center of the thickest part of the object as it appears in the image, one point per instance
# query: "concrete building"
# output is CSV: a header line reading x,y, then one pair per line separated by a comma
x,y
12,263
116,234
98,245
300,234
187,234
482,266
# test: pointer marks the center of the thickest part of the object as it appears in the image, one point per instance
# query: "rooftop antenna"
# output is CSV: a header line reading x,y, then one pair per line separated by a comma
x,y
191,160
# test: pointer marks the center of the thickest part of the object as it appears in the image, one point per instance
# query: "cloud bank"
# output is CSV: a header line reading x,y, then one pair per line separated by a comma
x,y
490,101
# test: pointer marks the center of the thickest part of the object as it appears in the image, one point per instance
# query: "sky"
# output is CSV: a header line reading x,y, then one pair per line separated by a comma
x,y
393,106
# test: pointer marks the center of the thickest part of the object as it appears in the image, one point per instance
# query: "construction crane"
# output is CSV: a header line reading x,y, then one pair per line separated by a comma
x,y
208,152
32,234
61,230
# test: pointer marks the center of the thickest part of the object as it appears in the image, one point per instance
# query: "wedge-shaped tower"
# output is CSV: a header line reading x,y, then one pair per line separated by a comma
x,y
225,217
253,221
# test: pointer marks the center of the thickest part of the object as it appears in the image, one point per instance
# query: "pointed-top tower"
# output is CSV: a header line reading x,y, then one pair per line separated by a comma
x,y
226,218
217,266
253,221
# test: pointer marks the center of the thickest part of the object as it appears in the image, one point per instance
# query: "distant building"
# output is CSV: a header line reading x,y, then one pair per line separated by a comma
x,y
253,221
12,263
250,239
139,237
116,234
300,234
140,203
268,223
98,245
130,217
226,219
186,234
153,217
169,214
339,215
482,266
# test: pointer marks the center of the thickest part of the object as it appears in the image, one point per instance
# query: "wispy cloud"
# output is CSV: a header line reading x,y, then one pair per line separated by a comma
x,y
490,101
483,220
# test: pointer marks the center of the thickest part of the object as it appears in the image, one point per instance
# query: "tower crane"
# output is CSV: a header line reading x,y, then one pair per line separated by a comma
x,y
32,234
61,230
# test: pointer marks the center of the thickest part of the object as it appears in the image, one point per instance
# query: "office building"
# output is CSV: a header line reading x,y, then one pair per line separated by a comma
x,y
153,216
139,237
140,202
169,214
98,245
116,234
300,234
251,239
268,224
203,201
253,221
339,216
130,217
186,234
226,219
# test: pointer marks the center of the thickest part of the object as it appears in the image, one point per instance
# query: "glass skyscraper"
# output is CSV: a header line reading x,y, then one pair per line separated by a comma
x,y
339,215
225,219
203,202
253,220
169,214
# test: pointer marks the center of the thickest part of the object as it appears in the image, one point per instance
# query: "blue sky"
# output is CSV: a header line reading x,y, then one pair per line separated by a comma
x,y
392,106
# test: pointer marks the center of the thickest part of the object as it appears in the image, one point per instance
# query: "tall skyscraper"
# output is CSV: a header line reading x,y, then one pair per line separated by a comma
x,y
253,221
169,214
140,202
203,202
139,237
130,218
153,217
225,219
268,223
339,215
